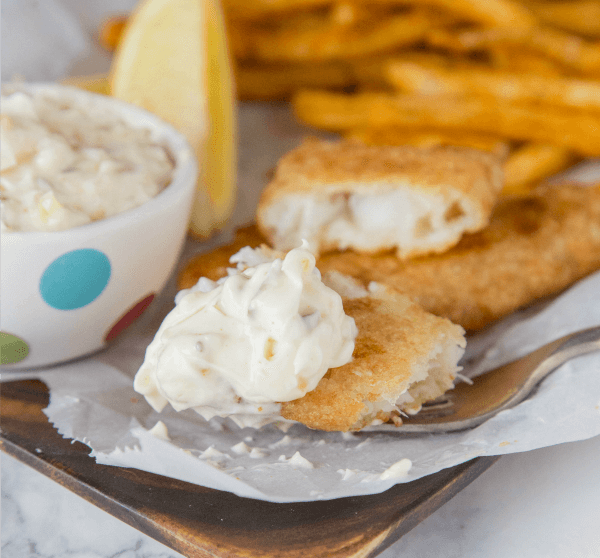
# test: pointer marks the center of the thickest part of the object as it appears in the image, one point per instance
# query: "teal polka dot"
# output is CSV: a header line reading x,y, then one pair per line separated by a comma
x,y
75,279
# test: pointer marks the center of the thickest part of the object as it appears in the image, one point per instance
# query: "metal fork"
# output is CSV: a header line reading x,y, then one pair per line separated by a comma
x,y
467,406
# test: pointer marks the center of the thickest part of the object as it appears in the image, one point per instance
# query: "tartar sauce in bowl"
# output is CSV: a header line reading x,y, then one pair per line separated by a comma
x,y
66,161
96,196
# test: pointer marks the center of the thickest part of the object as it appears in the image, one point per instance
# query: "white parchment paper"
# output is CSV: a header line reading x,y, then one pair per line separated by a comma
x,y
93,401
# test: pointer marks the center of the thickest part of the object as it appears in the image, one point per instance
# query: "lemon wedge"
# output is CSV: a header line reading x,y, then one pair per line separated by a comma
x,y
173,61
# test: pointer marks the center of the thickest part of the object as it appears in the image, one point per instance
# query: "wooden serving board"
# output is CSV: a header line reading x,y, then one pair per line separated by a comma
x,y
202,522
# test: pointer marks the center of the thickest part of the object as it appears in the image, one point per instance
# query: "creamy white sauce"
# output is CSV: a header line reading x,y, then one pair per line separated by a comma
x,y
239,347
65,163
213,453
159,430
240,448
398,470
257,453
297,460
347,473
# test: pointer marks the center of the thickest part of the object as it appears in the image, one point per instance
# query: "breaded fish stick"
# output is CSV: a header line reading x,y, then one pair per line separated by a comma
x,y
535,246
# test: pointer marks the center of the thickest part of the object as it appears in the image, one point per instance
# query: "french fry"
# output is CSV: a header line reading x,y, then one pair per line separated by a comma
x,y
489,13
453,41
523,60
500,49
573,129
259,10
532,163
245,37
371,71
280,81
581,17
477,73
349,12
507,86
570,50
111,31
331,42
422,137
334,112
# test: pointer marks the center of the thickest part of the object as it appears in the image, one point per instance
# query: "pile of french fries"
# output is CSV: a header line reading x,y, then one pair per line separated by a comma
x,y
517,77
520,78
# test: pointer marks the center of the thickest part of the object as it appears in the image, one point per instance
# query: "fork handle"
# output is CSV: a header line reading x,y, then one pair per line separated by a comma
x,y
576,344
552,355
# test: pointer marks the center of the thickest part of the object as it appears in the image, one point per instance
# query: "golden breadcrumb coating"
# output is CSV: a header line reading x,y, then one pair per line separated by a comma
x,y
398,345
320,177
338,163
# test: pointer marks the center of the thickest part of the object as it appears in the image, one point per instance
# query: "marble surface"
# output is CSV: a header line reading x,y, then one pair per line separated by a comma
x,y
544,503
540,504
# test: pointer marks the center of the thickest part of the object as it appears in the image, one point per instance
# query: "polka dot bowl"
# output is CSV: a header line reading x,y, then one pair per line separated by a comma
x,y
69,293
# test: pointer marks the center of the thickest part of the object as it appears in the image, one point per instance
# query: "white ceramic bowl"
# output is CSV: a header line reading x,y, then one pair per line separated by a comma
x,y
66,294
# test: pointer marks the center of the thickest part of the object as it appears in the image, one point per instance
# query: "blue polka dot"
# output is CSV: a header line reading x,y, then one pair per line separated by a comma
x,y
75,279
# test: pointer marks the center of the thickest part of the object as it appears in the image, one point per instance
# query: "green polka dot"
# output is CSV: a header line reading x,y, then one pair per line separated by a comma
x,y
12,348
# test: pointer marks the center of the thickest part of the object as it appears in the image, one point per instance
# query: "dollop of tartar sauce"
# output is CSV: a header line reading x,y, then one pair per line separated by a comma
x,y
239,347
159,430
66,162
397,470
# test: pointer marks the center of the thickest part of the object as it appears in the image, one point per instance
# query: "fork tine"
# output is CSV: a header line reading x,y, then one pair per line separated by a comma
x,y
502,388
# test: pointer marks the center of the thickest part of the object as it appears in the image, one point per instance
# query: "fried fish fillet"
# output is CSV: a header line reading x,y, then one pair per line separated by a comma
x,y
345,194
534,246
403,356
